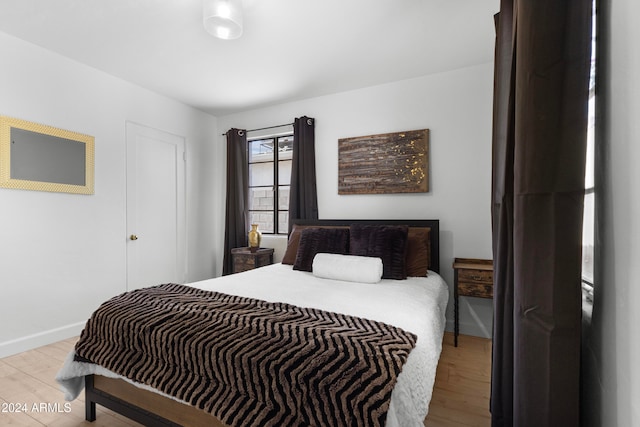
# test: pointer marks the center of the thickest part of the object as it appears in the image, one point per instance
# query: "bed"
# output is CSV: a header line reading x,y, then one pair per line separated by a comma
x,y
411,310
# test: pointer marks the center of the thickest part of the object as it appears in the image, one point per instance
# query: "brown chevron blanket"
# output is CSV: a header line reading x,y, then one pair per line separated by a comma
x,y
249,362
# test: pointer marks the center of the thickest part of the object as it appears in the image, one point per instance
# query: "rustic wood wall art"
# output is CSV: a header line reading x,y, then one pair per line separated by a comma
x,y
382,164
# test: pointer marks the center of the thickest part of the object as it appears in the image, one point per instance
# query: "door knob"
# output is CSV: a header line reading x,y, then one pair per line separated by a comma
x,y
133,237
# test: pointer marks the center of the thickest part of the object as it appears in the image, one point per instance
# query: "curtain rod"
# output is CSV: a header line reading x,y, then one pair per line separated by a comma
x,y
265,128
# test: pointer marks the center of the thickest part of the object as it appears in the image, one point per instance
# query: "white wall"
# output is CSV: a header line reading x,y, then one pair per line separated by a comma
x,y
457,108
612,347
63,254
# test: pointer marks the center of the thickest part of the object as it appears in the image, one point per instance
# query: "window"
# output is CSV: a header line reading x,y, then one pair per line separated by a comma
x,y
588,222
269,182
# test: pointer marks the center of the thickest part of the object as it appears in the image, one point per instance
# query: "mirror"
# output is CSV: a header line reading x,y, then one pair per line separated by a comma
x,y
44,158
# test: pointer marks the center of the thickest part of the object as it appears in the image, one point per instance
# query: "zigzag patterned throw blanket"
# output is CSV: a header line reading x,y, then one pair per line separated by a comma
x,y
250,362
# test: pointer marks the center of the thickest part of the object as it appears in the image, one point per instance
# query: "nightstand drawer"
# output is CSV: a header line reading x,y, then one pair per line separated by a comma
x,y
244,264
476,276
471,289
244,259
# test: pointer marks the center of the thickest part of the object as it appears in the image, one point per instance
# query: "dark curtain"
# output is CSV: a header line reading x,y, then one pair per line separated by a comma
x,y
235,234
539,142
303,197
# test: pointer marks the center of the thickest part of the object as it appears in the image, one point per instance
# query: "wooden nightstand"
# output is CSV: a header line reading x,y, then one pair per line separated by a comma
x,y
472,278
244,259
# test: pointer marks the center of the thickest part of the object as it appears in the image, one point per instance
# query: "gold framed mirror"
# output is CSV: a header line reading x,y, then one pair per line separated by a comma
x,y
44,158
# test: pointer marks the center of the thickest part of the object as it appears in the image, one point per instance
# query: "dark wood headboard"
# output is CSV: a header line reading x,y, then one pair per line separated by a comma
x,y
434,236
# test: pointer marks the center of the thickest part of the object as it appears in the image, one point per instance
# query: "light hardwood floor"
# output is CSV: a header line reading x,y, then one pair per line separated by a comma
x,y
460,396
463,384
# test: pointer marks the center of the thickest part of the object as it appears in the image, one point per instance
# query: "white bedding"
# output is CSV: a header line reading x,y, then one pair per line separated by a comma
x,y
417,305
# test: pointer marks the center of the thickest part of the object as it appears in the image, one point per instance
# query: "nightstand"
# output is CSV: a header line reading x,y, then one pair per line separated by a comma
x,y
244,259
471,278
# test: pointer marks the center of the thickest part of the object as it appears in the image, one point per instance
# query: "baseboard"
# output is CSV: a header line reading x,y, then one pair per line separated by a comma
x,y
29,342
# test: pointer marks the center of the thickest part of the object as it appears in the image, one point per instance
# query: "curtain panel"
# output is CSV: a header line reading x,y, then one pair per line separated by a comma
x,y
236,213
303,196
542,62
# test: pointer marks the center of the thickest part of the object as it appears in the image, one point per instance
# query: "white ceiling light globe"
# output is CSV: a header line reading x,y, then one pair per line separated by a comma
x,y
222,18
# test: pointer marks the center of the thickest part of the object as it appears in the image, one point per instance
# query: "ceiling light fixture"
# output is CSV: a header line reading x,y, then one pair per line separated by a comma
x,y
222,18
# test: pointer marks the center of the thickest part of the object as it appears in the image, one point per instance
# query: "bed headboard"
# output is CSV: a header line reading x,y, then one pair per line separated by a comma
x,y
433,224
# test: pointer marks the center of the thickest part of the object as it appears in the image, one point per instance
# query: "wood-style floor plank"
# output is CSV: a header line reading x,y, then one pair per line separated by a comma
x,y
460,395
463,384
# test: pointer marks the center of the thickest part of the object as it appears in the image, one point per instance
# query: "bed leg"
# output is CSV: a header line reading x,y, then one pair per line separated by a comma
x,y
90,411
89,404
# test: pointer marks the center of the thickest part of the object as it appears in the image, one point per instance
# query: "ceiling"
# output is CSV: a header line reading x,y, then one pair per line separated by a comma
x,y
290,49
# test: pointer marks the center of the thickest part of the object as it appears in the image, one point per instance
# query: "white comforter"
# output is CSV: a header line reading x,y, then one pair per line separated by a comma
x,y
416,305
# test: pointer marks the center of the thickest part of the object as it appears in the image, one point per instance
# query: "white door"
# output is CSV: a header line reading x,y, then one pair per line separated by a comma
x,y
156,243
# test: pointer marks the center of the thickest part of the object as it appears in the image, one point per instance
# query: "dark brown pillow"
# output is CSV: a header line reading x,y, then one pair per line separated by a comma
x,y
320,240
289,256
418,251
388,242
294,240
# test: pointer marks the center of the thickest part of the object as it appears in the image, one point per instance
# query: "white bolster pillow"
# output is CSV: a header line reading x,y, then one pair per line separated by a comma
x,y
349,268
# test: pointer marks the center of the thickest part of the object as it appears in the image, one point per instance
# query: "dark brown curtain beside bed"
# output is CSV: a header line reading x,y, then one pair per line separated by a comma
x,y
539,139
303,197
236,206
